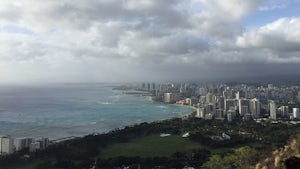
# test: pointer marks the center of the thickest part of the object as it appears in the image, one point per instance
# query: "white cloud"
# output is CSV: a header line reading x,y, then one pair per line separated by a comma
x,y
280,35
107,40
275,43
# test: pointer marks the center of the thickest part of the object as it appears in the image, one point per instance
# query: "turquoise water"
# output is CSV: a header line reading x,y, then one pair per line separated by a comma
x,y
75,110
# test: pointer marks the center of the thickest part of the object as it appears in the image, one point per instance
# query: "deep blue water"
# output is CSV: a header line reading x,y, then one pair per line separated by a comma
x,y
75,110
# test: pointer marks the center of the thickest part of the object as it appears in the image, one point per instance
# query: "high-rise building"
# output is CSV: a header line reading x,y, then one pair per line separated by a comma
x,y
243,110
239,95
202,100
229,117
200,113
270,86
34,146
247,117
243,106
219,113
283,111
296,113
255,107
221,102
191,101
21,143
153,86
209,98
230,104
273,113
209,108
44,142
167,97
171,97
6,145
232,112
202,91
228,94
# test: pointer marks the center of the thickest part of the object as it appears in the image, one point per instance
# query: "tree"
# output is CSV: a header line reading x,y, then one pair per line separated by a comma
x,y
215,161
245,156
240,159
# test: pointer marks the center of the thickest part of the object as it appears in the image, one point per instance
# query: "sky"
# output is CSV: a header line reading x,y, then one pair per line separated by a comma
x,y
46,41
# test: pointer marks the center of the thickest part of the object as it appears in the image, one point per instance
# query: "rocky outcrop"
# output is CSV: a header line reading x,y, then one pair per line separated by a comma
x,y
287,157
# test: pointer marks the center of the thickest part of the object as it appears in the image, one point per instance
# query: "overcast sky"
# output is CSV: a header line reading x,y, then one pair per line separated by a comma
x,y
147,40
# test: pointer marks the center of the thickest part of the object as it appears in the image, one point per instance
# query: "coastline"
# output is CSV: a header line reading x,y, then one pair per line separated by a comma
x,y
183,116
168,112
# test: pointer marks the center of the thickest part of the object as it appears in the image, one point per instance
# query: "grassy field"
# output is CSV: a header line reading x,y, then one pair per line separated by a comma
x,y
30,165
150,146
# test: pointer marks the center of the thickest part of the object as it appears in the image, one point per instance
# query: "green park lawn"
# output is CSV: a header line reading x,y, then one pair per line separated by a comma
x,y
150,146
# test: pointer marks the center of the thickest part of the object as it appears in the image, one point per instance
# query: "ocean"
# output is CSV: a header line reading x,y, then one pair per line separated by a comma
x,y
58,111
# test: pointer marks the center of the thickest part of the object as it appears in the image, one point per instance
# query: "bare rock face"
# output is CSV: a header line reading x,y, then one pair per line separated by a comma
x,y
258,166
287,157
277,161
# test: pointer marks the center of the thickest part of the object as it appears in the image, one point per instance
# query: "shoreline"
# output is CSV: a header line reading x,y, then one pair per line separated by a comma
x,y
68,138
55,140
63,138
183,116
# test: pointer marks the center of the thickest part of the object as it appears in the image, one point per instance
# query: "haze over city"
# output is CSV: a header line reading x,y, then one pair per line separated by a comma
x,y
130,40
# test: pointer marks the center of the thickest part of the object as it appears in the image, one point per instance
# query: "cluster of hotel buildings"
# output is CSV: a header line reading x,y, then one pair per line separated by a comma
x,y
9,145
223,101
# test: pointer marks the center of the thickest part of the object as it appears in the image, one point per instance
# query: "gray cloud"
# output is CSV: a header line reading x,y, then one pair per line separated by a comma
x,y
132,40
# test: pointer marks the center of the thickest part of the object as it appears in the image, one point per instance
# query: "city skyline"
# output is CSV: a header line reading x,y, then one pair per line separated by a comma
x,y
147,40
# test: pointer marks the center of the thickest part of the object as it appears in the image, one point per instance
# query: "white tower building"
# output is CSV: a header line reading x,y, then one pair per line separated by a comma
x,y
6,145
273,114
296,114
243,106
255,107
